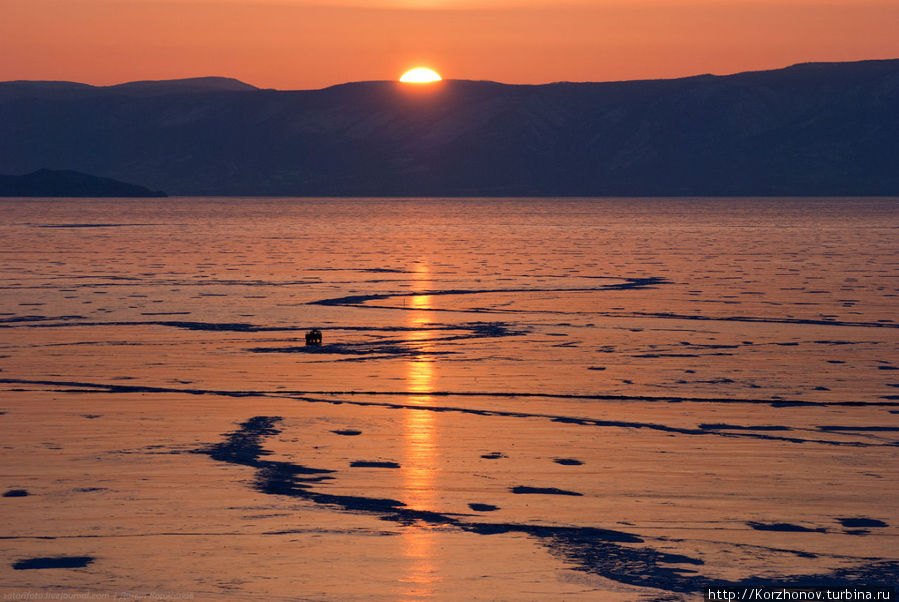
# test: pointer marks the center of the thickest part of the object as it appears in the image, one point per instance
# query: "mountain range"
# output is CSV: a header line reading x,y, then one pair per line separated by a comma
x,y
67,183
809,129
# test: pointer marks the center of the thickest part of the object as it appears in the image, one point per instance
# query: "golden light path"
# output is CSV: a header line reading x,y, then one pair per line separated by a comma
x,y
420,442
420,75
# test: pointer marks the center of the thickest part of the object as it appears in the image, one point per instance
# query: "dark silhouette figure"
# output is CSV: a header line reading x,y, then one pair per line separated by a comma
x,y
314,337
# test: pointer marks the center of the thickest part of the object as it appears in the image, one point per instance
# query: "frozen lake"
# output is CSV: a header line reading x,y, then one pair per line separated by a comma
x,y
599,399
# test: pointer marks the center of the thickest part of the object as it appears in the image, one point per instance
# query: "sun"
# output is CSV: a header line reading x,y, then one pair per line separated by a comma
x,y
420,75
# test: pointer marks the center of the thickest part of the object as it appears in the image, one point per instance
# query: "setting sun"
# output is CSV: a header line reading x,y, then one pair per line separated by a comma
x,y
420,75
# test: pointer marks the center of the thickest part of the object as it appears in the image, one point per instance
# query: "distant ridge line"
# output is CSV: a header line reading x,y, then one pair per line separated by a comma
x,y
812,129
226,82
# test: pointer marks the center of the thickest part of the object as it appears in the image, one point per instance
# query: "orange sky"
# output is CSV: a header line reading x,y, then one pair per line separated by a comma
x,y
300,44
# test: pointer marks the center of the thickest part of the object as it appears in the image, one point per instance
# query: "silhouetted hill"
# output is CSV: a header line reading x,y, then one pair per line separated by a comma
x,y
177,86
48,183
70,90
810,129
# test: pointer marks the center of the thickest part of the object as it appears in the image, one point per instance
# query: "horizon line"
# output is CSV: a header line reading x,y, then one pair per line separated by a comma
x,y
396,81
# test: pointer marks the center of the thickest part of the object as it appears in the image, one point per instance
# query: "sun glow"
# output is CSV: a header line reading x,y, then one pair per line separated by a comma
x,y
420,75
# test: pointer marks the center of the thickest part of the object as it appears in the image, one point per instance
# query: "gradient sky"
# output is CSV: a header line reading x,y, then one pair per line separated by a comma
x,y
301,44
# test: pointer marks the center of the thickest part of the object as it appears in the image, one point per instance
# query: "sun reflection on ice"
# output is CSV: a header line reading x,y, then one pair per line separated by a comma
x,y
420,446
